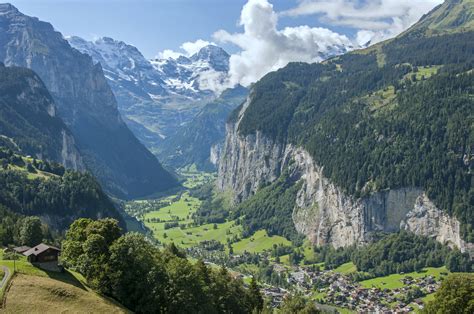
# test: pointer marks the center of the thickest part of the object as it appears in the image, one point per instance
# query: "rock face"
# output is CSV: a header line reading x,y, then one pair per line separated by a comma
x,y
85,103
323,211
28,119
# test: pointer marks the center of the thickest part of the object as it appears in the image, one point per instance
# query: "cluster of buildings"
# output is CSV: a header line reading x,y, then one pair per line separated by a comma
x,y
340,290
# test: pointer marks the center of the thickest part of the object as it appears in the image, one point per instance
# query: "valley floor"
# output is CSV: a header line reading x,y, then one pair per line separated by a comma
x,y
170,219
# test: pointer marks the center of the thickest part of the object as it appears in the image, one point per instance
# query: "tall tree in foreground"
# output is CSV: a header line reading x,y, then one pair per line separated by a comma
x,y
255,295
148,280
455,296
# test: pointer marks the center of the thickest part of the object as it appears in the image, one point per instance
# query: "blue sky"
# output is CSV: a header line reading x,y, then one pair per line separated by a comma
x,y
151,25
274,32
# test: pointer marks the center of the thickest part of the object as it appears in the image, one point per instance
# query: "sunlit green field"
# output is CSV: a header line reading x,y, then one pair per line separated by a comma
x,y
195,177
393,281
188,235
346,268
259,242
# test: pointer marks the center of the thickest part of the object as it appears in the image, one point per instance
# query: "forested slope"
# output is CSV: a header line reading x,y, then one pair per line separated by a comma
x,y
398,114
31,187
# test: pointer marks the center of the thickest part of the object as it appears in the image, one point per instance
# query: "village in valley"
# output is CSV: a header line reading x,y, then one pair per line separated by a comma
x,y
334,290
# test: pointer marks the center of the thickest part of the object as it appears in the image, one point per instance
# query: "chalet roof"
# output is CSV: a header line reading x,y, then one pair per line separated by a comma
x,y
40,248
21,249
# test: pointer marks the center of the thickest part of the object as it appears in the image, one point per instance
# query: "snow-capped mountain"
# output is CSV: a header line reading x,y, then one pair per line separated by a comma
x,y
157,96
202,74
207,70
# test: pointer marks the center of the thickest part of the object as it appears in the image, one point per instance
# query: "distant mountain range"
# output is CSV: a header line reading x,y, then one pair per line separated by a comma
x,y
161,98
85,103
157,96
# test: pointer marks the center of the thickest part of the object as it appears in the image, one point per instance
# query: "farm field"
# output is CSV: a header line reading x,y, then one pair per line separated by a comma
x,y
185,234
195,177
393,281
170,220
346,268
259,242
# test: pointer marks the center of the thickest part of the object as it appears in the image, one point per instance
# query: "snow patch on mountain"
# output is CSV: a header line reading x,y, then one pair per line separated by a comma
x,y
204,72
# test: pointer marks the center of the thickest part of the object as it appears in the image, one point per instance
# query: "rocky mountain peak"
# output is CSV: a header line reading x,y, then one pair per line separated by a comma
x,y
217,57
6,8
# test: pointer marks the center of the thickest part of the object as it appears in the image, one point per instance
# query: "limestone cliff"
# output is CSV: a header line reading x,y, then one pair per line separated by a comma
x,y
323,211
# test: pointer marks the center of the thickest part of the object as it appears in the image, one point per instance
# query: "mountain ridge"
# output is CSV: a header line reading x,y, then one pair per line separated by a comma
x,y
86,104
157,96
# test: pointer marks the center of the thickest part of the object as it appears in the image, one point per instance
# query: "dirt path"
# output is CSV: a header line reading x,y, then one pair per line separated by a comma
x,y
5,277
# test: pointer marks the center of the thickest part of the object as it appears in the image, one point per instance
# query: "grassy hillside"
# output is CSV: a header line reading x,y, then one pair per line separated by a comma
x,y
45,295
31,289
451,16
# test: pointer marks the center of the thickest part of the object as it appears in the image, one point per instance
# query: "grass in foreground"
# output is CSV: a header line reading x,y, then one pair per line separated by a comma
x,y
38,294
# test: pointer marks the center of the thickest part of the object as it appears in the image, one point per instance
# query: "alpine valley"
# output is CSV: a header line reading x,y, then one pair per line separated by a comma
x,y
162,185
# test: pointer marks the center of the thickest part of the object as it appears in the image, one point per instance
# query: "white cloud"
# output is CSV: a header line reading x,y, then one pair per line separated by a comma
x,y
265,48
194,47
168,54
187,49
214,81
381,19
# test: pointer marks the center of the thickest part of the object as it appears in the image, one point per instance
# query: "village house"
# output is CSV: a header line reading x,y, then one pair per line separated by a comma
x,y
21,249
44,256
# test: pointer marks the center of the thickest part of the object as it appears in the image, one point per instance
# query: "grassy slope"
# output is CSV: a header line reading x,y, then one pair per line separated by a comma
x,y
393,281
346,268
51,292
42,294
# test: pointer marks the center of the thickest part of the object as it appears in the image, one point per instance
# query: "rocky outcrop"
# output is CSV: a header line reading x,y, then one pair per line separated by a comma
x,y
427,219
247,162
70,156
323,211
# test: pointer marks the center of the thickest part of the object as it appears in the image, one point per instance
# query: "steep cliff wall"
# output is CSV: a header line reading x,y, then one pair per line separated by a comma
x,y
323,211
28,119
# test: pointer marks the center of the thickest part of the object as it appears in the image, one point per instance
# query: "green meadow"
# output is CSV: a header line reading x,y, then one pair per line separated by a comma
x,y
394,281
259,242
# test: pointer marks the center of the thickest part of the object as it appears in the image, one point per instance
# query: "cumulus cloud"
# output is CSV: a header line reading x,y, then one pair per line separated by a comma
x,y
374,20
265,48
187,49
